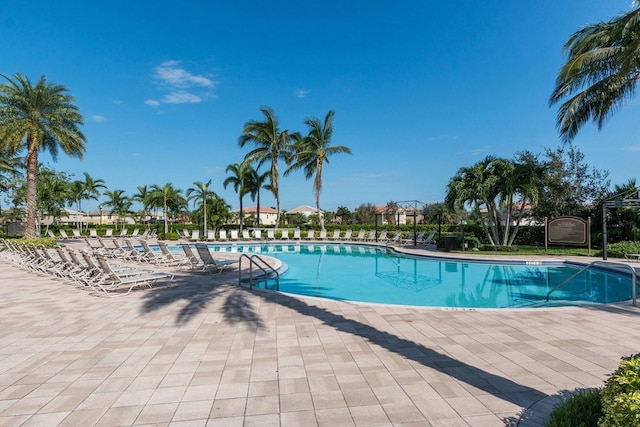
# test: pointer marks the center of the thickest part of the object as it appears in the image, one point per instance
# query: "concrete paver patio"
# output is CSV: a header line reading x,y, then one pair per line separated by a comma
x,y
207,353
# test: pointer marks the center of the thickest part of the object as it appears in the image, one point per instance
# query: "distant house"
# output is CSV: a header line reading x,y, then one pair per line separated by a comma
x,y
107,217
68,217
304,210
267,215
384,216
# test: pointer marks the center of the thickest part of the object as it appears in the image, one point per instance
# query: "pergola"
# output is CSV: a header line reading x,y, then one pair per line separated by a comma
x,y
415,205
609,203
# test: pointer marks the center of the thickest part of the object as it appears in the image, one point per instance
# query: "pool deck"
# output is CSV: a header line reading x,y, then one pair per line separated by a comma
x,y
205,352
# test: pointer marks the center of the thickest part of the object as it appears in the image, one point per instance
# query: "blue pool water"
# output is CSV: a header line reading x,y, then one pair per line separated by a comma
x,y
378,275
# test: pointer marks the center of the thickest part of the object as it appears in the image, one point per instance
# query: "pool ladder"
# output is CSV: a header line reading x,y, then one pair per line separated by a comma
x,y
595,263
268,272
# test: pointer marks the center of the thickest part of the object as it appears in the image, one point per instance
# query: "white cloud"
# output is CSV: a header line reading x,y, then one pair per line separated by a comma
x,y
633,148
301,93
181,97
97,118
479,151
180,86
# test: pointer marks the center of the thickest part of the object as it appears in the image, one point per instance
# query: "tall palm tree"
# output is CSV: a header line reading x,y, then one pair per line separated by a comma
x,y
37,118
167,197
601,72
272,144
256,182
313,151
239,178
92,190
201,192
120,203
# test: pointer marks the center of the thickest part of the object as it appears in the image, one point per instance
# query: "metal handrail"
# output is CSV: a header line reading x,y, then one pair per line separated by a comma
x,y
252,261
585,268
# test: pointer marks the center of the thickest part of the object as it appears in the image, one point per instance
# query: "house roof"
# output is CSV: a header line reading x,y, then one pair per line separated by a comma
x,y
254,209
303,209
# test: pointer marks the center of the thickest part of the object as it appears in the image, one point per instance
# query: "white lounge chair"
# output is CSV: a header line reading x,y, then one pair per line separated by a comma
x,y
336,235
76,234
323,235
130,281
311,234
257,234
209,262
234,235
109,232
222,236
361,236
63,234
211,235
246,235
271,234
284,234
195,235
93,233
296,234
372,235
347,235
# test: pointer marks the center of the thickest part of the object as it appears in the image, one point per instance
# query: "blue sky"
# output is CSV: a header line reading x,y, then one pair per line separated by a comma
x,y
420,88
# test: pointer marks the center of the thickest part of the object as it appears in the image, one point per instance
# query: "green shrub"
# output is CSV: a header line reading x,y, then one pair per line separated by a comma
x,y
617,250
583,409
172,235
621,395
490,248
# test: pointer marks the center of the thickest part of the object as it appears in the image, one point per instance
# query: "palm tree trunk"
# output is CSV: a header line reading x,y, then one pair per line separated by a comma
x,y
204,207
318,188
32,185
241,214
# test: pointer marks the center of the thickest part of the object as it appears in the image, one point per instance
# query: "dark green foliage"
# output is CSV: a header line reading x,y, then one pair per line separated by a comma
x,y
621,395
583,409
617,250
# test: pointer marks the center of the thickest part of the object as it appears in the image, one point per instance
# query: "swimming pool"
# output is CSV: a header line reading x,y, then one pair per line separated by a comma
x,y
378,275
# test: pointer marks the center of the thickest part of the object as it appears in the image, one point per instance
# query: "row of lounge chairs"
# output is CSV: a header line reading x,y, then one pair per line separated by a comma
x,y
286,234
88,269
164,257
77,234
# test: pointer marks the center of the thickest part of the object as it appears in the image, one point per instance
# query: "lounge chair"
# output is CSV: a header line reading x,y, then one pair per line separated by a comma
x,y
123,232
271,234
63,234
209,262
172,258
372,235
246,235
347,235
296,234
311,234
257,234
284,234
234,235
383,236
360,237
195,236
211,235
109,232
93,233
323,235
408,239
50,234
185,234
194,261
76,234
135,232
336,235
153,256
130,281
397,238
223,236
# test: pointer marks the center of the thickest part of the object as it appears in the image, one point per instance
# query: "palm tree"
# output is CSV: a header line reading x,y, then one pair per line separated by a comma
x,y
200,192
344,214
9,166
239,179
256,182
120,203
75,193
313,151
142,197
167,197
91,190
600,74
272,145
38,118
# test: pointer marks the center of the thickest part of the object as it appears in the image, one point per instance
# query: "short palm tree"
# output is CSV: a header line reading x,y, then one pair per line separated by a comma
x,y
120,203
256,182
91,190
239,178
142,197
38,118
75,193
272,145
200,192
9,166
166,197
601,72
313,151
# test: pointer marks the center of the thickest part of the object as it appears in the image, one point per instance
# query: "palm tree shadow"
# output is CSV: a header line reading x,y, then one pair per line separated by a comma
x,y
197,292
498,386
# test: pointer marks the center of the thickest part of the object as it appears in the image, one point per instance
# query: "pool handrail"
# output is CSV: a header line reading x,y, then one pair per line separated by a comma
x,y
252,262
586,267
